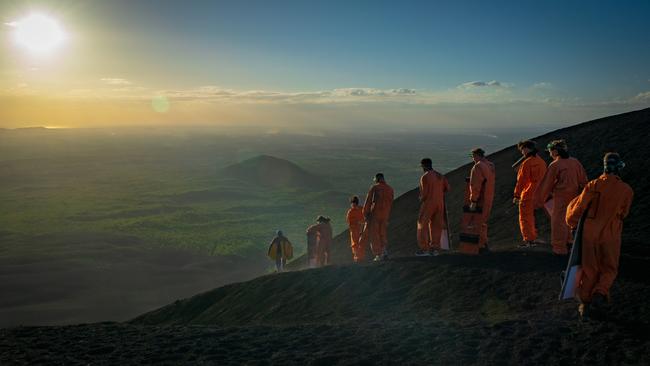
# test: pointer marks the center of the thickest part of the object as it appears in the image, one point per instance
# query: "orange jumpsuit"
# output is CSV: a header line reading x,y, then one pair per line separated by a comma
x,y
609,200
564,179
481,191
376,209
530,174
355,220
431,218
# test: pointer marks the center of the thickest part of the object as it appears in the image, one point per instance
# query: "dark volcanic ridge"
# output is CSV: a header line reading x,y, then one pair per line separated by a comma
x,y
452,309
274,172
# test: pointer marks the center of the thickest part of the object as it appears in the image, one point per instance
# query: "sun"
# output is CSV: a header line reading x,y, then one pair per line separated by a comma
x,y
38,33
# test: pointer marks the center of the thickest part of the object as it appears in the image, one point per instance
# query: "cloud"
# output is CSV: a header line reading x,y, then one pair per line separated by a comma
x,y
481,84
115,81
543,85
371,92
642,97
11,24
211,92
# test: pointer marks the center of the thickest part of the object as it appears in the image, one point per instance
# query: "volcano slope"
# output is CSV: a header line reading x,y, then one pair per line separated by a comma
x,y
453,309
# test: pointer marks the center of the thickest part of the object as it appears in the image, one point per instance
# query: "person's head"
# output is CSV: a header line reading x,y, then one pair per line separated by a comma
x,y
279,233
558,148
322,219
426,164
612,163
478,154
379,177
526,147
354,201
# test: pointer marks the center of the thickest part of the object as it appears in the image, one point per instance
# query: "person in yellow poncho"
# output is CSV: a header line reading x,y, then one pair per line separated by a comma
x,y
280,250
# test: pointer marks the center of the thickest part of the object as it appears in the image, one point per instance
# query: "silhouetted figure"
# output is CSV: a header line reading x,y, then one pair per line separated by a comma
x,y
280,250
323,230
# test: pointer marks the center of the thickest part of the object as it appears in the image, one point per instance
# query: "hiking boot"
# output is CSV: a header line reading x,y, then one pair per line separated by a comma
x,y
483,251
598,306
377,259
524,245
434,253
421,253
384,257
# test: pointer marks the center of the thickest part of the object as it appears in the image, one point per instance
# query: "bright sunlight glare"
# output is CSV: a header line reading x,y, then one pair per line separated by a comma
x,y
38,33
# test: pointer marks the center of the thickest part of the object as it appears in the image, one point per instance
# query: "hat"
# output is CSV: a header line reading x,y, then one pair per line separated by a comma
x,y
278,233
426,163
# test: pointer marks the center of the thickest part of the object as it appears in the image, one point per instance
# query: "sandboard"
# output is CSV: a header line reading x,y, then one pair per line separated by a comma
x,y
445,238
573,272
470,228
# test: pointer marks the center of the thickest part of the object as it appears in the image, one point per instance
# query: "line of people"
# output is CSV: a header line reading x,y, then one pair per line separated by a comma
x,y
561,189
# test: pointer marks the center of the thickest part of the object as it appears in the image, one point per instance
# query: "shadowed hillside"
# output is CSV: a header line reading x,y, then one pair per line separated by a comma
x,y
453,309
625,133
274,172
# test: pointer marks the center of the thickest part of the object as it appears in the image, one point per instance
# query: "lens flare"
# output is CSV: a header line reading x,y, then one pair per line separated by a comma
x,y
160,104
38,33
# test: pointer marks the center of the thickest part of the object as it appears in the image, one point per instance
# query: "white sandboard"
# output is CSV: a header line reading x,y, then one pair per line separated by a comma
x,y
573,272
444,240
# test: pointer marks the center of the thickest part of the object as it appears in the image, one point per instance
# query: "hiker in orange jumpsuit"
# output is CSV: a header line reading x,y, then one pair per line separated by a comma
x,y
355,220
608,201
529,176
431,218
323,229
481,193
376,210
563,181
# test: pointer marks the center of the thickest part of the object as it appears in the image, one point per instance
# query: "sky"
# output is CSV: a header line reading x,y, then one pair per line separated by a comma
x,y
297,65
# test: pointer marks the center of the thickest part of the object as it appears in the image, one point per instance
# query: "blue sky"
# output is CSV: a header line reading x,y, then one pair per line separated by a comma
x,y
575,53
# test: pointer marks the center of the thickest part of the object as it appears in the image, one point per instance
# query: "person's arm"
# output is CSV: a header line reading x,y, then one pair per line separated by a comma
x,y
579,205
582,176
476,179
546,187
445,185
626,205
367,206
348,217
423,191
523,179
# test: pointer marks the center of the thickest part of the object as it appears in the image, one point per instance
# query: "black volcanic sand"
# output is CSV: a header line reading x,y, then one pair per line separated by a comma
x,y
496,309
